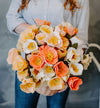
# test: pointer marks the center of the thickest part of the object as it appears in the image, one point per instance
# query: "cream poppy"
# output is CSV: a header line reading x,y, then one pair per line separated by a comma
x,y
30,46
74,55
48,72
56,83
76,68
54,40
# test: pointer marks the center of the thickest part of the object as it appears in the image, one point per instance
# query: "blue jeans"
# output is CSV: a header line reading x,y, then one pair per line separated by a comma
x,y
24,100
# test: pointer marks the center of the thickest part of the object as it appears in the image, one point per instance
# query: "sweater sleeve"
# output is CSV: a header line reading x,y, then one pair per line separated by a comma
x,y
13,17
83,21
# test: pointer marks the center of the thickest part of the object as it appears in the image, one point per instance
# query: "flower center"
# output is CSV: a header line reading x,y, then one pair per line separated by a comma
x,y
38,61
74,68
31,46
53,40
50,56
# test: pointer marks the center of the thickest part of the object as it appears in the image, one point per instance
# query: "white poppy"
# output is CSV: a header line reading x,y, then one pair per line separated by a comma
x,y
74,55
30,46
76,68
54,40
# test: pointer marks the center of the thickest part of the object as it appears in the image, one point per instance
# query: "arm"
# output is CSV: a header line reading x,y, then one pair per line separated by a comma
x,y
15,21
83,20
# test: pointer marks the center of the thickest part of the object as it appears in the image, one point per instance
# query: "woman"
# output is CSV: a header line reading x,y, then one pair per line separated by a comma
x,y
20,16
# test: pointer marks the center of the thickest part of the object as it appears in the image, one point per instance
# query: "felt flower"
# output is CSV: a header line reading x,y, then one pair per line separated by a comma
x,y
19,63
11,55
37,61
30,46
41,38
60,69
28,85
46,29
74,55
59,29
76,68
22,74
42,22
65,43
27,34
50,54
56,83
48,72
54,40
74,83
62,54
68,28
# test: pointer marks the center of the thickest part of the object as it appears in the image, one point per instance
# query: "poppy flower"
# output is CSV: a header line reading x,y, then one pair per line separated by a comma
x,y
30,46
37,61
27,34
50,54
56,83
41,37
28,85
60,69
46,29
42,22
11,55
74,83
54,40
22,74
68,28
19,63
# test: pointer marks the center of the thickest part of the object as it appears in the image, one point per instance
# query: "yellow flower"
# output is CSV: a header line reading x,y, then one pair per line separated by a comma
x,y
46,29
22,74
28,85
19,63
27,34
56,84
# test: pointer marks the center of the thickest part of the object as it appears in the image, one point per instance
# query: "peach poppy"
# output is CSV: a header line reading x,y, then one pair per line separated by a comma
x,y
50,54
42,22
37,61
74,83
27,34
28,85
11,55
19,63
60,69
56,84
33,28
70,30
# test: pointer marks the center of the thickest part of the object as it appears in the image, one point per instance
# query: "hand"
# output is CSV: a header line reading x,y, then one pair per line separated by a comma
x,y
46,91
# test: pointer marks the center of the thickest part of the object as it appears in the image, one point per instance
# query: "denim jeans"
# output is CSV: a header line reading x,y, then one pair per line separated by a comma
x,y
24,100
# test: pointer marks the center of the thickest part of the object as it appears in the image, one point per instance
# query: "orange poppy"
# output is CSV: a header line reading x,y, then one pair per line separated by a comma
x,y
70,30
60,69
42,22
37,61
50,54
74,83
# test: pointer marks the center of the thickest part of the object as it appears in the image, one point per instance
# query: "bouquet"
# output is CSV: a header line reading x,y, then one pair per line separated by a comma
x,y
54,57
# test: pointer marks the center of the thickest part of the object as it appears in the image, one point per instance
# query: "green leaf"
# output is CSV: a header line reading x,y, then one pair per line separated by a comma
x,y
75,45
